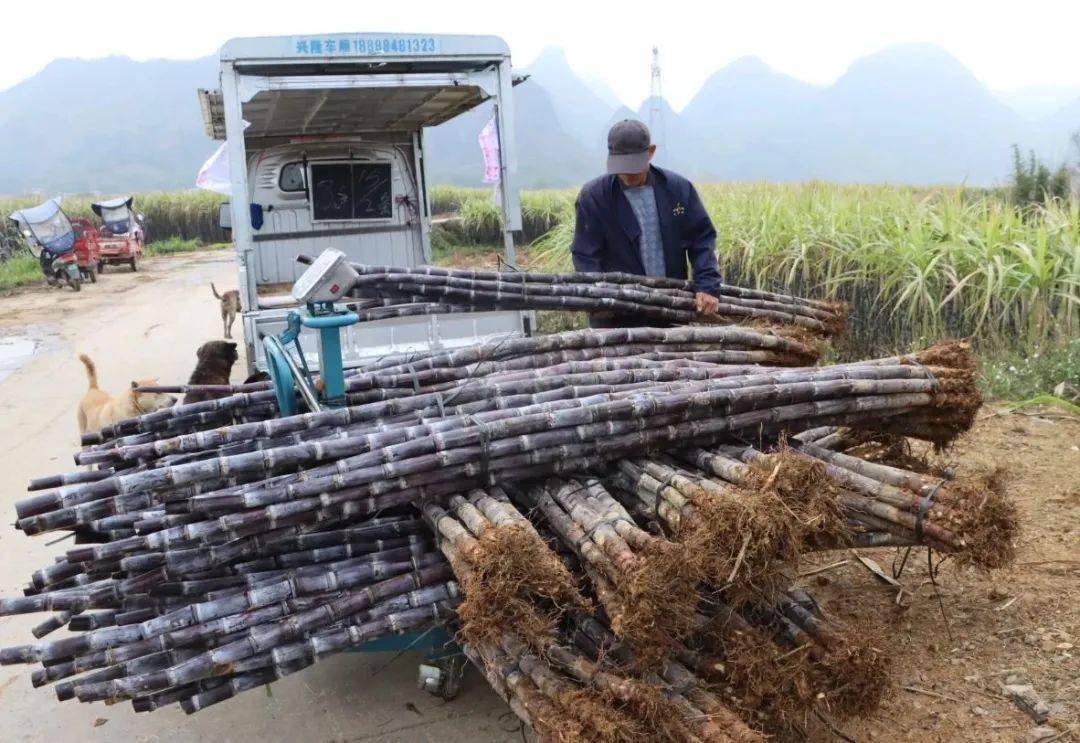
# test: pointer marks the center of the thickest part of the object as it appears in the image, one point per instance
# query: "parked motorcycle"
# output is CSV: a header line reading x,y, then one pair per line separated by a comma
x,y
51,239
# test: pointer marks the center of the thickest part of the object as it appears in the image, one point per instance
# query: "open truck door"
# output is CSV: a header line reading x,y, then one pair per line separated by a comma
x,y
325,142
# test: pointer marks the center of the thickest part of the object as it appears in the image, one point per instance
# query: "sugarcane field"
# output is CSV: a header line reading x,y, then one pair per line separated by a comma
x,y
459,401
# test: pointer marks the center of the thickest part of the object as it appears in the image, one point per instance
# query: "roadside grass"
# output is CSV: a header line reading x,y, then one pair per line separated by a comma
x,y
19,270
22,269
174,245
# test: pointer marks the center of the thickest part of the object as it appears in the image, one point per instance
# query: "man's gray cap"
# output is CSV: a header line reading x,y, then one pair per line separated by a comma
x,y
628,147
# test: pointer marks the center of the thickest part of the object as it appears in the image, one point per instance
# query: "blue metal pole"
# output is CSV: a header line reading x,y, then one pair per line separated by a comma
x,y
331,364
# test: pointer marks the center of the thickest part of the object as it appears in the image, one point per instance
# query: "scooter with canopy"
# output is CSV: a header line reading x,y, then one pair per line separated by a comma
x,y
51,239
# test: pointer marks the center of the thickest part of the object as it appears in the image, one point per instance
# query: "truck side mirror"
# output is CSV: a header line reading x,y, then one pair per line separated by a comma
x,y
225,216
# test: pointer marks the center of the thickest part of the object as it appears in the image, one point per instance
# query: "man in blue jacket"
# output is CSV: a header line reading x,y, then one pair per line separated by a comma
x,y
644,220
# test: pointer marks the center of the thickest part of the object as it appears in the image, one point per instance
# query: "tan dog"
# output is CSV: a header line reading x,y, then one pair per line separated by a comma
x,y
230,307
98,409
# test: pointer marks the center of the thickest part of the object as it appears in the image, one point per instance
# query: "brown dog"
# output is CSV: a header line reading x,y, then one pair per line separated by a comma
x,y
98,408
216,359
230,307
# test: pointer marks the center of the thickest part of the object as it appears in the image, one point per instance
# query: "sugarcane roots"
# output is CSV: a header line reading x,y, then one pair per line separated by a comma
x,y
652,606
807,496
978,508
770,686
776,686
745,543
587,714
810,345
646,714
956,400
854,672
515,584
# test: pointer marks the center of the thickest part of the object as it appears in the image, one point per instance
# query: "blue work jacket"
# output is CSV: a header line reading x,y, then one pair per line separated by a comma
x,y
607,236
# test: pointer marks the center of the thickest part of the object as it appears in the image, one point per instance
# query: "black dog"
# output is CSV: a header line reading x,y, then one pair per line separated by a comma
x,y
216,359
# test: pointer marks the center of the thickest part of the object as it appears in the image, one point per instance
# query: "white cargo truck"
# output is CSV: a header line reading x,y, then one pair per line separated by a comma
x,y
325,140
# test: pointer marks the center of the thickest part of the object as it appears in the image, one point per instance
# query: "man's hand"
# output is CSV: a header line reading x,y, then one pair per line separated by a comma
x,y
706,304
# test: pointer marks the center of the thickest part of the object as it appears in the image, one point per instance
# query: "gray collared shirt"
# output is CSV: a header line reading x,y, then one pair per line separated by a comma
x,y
643,202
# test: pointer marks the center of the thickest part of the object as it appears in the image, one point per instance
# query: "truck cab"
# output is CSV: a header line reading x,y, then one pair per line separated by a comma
x,y
325,141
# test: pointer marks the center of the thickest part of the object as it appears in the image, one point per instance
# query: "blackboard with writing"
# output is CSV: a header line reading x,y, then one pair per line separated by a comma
x,y
344,191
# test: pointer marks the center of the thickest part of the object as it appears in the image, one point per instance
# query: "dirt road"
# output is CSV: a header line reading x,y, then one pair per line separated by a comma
x,y
146,324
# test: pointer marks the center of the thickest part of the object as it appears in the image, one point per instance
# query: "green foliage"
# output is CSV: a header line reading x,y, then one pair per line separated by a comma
x,y
1034,184
914,265
1052,401
189,215
21,269
1019,375
558,322
478,221
179,245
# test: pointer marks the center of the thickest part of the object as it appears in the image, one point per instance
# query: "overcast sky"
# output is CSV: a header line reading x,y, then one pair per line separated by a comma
x,y
1008,45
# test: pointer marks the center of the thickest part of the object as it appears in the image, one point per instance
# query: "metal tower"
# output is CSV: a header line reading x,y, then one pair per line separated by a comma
x,y
656,97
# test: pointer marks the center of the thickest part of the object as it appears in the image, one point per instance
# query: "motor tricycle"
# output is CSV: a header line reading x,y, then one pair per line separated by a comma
x,y
121,233
51,239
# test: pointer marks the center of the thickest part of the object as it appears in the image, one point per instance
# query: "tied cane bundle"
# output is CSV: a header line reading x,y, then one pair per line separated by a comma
x,y
433,290
583,509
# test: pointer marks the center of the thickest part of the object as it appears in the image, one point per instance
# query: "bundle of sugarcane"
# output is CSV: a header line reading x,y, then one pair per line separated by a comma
x,y
512,581
658,304
738,349
183,633
217,493
646,584
650,589
232,555
518,601
522,639
659,299
779,659
970,518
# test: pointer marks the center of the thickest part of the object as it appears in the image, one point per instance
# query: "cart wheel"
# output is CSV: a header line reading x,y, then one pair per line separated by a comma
x,y
134,263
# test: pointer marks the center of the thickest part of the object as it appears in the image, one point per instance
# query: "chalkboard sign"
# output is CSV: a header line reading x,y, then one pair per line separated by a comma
x,y
351,191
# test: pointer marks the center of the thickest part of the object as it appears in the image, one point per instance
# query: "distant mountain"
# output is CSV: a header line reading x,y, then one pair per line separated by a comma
x,y
581,112
737,105
678,146
1059,130
602,90
911,114
1037,102
105,125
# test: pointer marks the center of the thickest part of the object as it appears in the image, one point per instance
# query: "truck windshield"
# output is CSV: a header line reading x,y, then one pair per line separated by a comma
x,y
351,191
